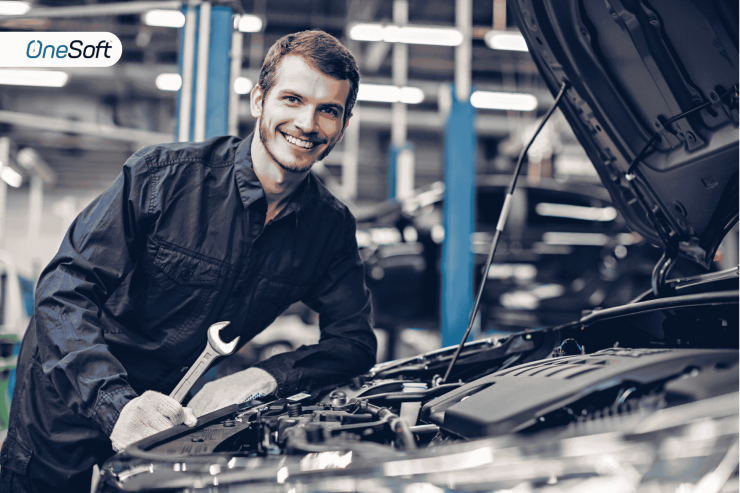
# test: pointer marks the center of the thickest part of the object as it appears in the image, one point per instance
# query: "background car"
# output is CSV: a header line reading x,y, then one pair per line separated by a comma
x,y
566,249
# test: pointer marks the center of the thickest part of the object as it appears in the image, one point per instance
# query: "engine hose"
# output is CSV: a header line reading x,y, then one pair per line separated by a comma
x,y
404,437
403,434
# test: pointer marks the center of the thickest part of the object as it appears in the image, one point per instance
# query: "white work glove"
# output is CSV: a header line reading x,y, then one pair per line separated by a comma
x,y
146,415
242,386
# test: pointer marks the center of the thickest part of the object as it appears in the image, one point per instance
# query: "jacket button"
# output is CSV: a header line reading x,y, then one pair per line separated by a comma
x,y
185,275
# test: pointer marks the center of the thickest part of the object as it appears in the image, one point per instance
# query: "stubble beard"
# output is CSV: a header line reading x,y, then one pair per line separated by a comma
x,y
263,130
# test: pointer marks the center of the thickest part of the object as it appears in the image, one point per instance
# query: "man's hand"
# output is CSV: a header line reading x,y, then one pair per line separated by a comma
x,y
146,415
245,385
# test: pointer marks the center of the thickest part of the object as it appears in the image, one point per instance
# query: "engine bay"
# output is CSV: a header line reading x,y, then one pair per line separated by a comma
x,y
529,393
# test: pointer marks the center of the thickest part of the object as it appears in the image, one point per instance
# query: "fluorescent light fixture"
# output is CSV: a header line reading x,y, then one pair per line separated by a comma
x,y
14,8
385,236
604,214
420,35
164,18
169,82
503,101
589,239
249,24
39,78
390,94
10,176
242,85
505,40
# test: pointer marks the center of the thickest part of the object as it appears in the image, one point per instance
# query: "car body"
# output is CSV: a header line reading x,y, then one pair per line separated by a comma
x,y
641,397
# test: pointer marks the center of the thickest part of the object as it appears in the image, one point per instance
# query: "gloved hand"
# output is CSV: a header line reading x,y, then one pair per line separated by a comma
x,y
245,385
146,415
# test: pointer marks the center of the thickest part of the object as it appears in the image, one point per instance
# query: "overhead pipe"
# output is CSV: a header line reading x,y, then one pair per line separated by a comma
x,y
401,157
4,161
237,42
463,52
41,174
187,72
201,89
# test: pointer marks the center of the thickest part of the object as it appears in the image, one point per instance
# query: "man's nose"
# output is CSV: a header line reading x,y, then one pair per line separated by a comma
x,y
305,120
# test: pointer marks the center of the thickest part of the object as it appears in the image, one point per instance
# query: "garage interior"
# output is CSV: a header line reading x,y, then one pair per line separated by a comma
x,y
442,117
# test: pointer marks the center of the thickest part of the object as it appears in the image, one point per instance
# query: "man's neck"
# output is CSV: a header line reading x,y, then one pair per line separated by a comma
x,y
277,183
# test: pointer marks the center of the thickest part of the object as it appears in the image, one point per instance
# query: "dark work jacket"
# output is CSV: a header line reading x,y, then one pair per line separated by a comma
x,y
177,243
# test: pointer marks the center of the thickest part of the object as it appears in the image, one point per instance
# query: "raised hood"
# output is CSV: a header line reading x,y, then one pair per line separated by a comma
x,y
633,67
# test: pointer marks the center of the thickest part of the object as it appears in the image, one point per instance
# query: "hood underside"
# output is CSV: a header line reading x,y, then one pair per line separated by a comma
x,y
634,68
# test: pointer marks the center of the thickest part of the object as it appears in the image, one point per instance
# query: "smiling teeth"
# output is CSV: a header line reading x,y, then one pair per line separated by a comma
x,y
299,143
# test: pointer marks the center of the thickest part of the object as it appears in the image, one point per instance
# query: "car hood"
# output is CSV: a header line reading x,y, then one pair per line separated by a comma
x,y
632,68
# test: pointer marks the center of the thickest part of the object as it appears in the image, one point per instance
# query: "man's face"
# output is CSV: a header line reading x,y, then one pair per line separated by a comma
x,y
302,117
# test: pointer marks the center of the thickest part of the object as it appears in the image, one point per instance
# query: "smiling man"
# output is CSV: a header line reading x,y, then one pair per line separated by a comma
x,y
190,234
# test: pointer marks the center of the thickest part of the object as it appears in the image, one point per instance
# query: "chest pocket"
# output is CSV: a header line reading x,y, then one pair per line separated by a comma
x,y
179,286
185,269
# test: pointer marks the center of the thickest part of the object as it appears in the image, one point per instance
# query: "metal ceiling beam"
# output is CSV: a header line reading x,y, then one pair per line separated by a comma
x,y
142,137
102,9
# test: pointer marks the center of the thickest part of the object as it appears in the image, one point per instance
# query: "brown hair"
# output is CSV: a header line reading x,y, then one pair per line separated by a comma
x,y
321,51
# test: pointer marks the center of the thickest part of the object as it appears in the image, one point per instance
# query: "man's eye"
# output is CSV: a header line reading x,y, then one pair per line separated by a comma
x,y
291,99
331,111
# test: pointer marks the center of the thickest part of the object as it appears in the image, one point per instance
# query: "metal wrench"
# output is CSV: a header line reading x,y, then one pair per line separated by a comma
x,y
214,348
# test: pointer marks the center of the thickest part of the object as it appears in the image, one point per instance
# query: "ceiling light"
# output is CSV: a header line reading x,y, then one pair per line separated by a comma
x,y
367,32
14,8
10,176
242,85
250,24
390,94
505,40
40,78
503,101
164,18
439,36
169,82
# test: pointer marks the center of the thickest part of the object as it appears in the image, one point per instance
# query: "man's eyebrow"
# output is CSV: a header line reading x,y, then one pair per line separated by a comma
x,y
288,92
336,106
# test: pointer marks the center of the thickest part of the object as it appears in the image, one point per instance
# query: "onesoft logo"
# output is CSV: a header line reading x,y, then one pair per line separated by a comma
x,y
59,49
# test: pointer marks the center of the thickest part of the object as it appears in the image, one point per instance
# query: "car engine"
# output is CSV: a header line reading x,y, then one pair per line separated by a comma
x,y
532,398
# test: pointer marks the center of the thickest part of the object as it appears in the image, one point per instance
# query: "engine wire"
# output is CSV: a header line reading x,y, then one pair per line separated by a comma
x,y
501,222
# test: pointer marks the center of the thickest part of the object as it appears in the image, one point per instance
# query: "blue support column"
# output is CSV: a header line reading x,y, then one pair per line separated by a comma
x,y
219,67
219,47
457,258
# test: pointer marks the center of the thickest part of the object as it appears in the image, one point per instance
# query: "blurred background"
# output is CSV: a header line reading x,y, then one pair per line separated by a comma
x,y
65,133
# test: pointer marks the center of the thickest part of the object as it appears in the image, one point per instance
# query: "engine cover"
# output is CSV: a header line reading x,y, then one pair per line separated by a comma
x,y
513,399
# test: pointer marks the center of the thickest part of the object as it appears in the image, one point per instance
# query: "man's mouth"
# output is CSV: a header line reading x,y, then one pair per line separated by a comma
x,y
298,142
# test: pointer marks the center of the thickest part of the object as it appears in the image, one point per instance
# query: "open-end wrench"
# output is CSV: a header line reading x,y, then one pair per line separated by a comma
x,y
214,348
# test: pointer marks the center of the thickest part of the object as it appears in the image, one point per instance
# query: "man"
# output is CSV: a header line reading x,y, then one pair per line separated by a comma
x,y
188,235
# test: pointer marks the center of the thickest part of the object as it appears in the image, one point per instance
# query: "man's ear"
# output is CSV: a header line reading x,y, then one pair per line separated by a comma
x,y
255,101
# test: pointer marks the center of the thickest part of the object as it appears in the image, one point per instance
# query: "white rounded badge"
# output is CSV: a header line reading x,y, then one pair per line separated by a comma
x,y
59,49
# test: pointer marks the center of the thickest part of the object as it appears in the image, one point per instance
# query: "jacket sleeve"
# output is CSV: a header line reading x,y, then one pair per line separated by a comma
x,y
98,251
347,345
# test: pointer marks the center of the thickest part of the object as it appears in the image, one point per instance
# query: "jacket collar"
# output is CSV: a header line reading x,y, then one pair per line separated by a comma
x,y
250,188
